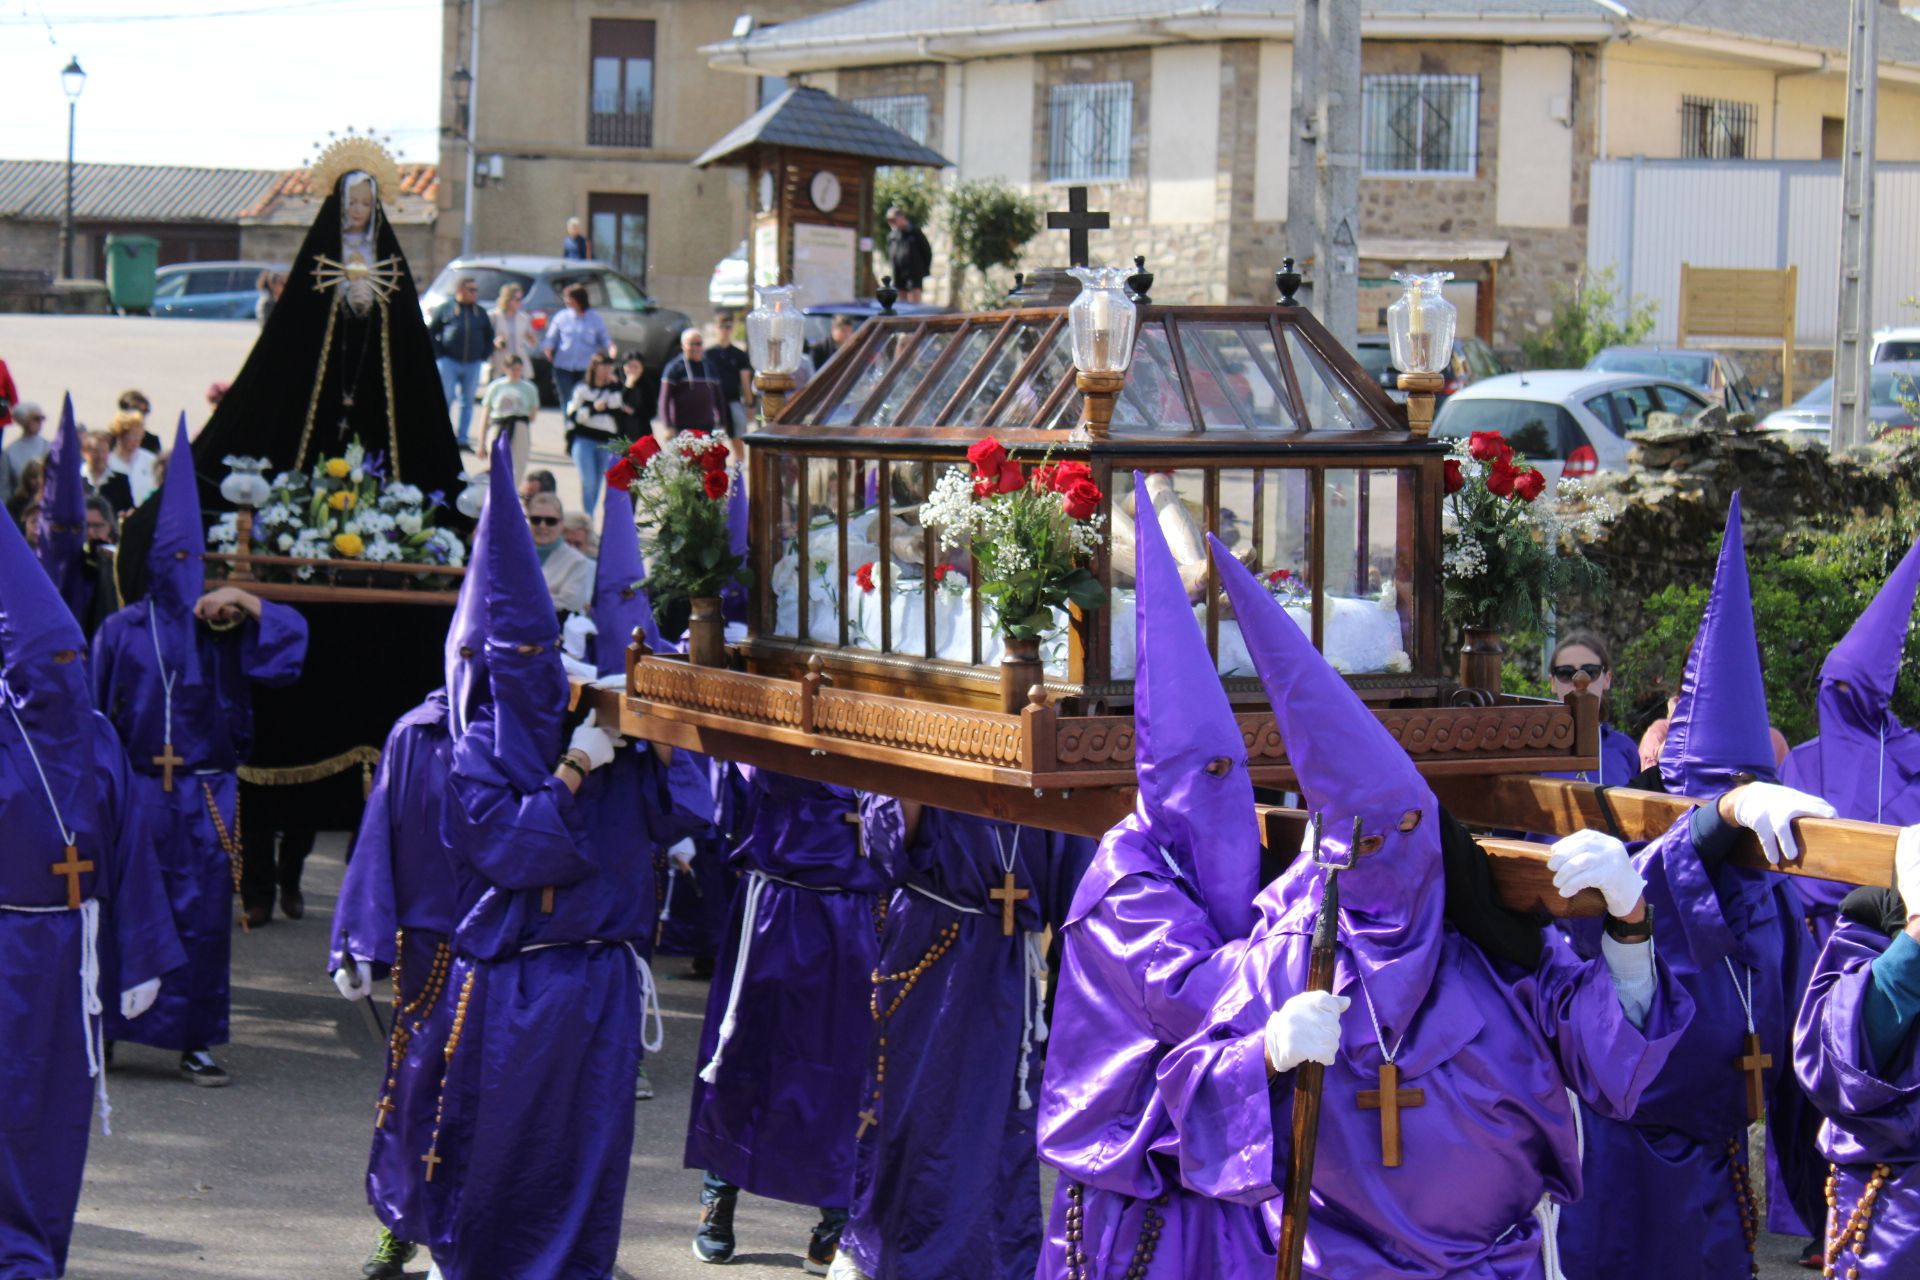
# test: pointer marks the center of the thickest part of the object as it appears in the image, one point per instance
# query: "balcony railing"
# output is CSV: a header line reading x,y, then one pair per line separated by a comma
x,y
620,128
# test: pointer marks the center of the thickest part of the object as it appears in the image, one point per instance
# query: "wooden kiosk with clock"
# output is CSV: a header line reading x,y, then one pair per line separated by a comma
x,y
810,160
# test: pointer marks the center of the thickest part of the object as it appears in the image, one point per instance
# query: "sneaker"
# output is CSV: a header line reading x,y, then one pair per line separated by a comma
x,y
1813,1257
844,1268
389,1258
713,1242
822,1247
643,1087
198,1066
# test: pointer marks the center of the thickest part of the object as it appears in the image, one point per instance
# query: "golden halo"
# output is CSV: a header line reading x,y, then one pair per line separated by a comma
x,y
354,151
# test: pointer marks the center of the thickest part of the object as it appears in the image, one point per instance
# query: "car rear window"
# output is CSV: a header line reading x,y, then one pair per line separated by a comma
x,y
1897,349
1693,370
1535,429
490,279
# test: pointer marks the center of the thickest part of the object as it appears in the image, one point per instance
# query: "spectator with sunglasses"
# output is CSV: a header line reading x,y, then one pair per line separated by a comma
x,y
569,574
1583,653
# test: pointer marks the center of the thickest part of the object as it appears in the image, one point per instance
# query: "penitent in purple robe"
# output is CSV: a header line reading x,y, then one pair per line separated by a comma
x,y
120,936
947,1181
1157,926
208,720
775,1107
1872,1110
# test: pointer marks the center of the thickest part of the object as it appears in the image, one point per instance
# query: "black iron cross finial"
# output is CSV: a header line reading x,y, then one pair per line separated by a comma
x,y
1077,221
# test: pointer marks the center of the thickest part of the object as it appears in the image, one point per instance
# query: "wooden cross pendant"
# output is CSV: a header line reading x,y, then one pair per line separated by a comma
x,y
432,1160
1008,897
384,1109
1387,1100
867,1120
73,868
1755,1063
167,760
546,900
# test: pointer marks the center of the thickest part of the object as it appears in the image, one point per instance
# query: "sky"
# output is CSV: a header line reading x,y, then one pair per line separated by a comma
x,y
224,83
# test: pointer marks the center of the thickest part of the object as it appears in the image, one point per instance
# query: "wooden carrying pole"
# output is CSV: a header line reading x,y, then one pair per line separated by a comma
x,y
1309,1083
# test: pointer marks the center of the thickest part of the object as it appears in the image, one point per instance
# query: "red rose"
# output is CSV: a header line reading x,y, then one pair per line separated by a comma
x,y
1528,484
1279,576
1500,479
987,455
1456,479
940,572
986,486
1011,476
620,474
716,483
714,459
1082,499
642,451
1058,477
1488,445
864,576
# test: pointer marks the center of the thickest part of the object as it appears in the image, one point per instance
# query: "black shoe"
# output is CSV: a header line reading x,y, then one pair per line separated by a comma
x,y
1813,1257
110,1052
389,1258
702,967
292,905
713,1242
198,1066
822,1245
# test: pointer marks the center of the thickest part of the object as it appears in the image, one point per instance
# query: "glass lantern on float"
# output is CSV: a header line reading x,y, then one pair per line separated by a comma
x,y
1420,328
776,332
1102,320
246,487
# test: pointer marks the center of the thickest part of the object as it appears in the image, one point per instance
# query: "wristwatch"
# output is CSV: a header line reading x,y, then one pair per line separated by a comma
x,y
567,761
1638,931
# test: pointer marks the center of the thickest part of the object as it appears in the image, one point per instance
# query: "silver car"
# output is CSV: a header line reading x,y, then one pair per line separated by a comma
x,y
1895,406
1565,421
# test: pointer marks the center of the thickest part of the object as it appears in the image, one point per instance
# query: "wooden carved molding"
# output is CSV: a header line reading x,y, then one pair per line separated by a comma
x,y
716,691
988,737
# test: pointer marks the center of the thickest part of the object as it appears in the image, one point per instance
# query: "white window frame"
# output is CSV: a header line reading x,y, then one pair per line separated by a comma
x,y
910,113
1074,108
1371,88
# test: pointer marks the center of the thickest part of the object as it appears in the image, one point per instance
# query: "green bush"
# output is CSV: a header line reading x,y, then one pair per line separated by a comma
x,y
989,224
914,190
1584,324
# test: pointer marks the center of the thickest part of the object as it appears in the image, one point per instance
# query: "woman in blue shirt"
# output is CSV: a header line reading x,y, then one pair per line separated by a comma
x,y
573,338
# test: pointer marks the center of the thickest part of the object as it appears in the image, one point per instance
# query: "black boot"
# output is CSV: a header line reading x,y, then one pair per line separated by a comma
x,y
713,1242
389,1258
824,1243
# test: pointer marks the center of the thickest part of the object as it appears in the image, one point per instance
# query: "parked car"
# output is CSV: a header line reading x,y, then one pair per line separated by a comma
x,y
1567,421
820,316
636,321
1896,344
728,287
210,290
1472,361
1713,374
1894,391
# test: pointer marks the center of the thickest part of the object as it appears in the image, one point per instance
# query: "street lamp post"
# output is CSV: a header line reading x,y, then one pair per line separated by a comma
x,y
73,80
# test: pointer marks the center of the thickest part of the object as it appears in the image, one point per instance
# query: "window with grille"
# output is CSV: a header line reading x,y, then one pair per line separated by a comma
x,y
1716,129
906,112
1090,132
1418,126
620,101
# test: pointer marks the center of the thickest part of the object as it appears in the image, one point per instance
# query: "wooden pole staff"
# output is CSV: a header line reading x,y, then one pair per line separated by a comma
x,y
1309,1079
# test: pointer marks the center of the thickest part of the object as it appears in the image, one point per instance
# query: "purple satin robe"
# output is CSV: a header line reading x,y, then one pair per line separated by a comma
x,y
1680,1158
1495,1052
212,730
538,1100
693,904
1891,795
946,1184
1141,967
778,1119
45,1118
1873,1113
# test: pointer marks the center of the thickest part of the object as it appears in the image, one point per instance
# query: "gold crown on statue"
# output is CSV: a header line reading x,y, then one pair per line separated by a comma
x,y
344,153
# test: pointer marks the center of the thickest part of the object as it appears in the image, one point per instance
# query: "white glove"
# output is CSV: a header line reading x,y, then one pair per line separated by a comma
x,y
1768,811
1305,1029
574,635
1595,860
354,980
681,855
135,1001
1906,869
595,743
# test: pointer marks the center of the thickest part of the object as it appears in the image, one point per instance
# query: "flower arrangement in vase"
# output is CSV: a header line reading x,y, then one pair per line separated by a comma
x,y
679,493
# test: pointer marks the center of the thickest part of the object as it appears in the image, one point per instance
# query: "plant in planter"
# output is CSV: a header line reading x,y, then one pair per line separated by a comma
x,y
679,496
1032,534
1507,552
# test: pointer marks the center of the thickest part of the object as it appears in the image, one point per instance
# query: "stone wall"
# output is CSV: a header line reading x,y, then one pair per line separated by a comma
x,y
929,79
32,246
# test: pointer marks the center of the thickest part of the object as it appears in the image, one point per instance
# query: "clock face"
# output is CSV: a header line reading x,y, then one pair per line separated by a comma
x,y
766,191
825,190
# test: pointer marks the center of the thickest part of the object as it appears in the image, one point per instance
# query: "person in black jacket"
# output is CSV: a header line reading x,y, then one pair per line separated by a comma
x,y
462,344
911,255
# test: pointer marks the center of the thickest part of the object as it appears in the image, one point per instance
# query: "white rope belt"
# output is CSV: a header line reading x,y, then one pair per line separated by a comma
x,y
1547,1212
649,990
93,1031
756,889
948,903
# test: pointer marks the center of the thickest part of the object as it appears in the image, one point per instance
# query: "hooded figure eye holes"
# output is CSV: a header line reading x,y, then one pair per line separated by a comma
x,y
1368,844
1219,767
64,656
466,651
1410,819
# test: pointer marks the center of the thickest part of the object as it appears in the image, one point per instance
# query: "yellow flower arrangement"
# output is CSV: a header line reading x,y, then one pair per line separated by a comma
x,y
343,500
338,468
348,544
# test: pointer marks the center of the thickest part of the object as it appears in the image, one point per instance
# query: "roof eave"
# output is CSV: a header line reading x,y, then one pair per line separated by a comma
x,y
1789,53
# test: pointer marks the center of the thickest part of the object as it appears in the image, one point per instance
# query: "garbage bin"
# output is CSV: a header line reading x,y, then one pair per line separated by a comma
x,y
131,262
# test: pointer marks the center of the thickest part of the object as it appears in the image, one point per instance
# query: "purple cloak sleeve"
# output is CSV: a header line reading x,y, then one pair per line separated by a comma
x,y
273,650
145,942
685,803
517,840
1606,1060
1873,1114
366,917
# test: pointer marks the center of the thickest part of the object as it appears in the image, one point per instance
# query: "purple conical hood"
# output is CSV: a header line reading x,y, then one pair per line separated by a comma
x,y
43,674
61,537
737,514
1196,797
1393,897
176,573
35,623
466,647
1868,657
620,603
1719,726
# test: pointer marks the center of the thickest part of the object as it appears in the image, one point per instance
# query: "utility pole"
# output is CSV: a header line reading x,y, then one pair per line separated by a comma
x,y
1323,187
1303,164
1853,331
473,119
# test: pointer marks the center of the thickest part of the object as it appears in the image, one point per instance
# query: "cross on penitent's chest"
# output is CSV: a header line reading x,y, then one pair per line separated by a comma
x,y
868,1119
432,1160
1387,1100
1755,1063
167,760
382,1110
73,868
1076,222
1009,897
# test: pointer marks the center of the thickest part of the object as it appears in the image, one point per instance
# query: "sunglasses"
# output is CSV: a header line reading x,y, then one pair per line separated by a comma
x,y
1594,671
544,521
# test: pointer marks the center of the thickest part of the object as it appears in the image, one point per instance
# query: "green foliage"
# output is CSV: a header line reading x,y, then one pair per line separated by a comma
x,y
1584,323
913,190
989,223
